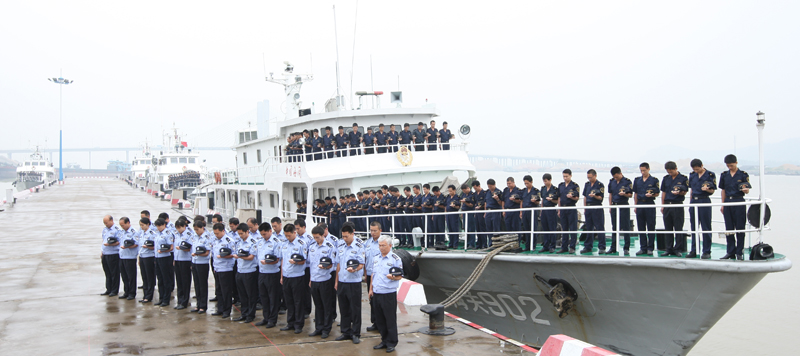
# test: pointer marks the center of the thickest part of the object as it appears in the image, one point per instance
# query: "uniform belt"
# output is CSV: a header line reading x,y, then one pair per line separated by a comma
x,y
672,202
625,203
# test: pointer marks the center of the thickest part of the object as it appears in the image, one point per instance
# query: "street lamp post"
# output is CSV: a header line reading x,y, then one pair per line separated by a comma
x,y
61,82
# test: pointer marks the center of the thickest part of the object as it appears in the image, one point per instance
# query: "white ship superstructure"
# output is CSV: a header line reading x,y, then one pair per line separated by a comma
x,y
36,170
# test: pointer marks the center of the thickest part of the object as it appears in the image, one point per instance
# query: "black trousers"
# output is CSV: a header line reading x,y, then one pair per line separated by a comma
x,y
235,292
735,219
646,224
349,295
127,268
324,296
386,317
217,287
293,290
166,278
247,284
371,306
111,268
226,283
673,221
307,293
147,267
270,292
183,280
200,276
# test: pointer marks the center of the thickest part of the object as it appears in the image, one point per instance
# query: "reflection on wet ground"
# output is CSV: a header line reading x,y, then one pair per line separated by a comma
x,y
50,302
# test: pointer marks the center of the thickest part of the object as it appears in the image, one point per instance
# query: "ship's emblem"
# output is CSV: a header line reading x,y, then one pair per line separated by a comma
x,y
404,156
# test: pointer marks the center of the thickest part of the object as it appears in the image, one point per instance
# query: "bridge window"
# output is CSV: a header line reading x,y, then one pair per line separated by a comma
x,y
258,156
244,157
182,159
173,160
344,192
191,160
271,200
27,163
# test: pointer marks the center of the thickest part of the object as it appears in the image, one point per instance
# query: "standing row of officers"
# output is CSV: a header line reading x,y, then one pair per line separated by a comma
x,y
328,145
273,265
483,221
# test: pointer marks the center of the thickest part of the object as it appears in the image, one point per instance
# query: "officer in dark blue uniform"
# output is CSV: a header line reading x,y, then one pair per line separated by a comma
x,y
494,201
317,143
308,146
354,141
550,198
439,204
369,142
646,189
468,206
674,186
392,138
363,208
531,197
419,137
593,193
620,189
569,192
734,184
444,136
384,210
327,142
433,136
452,205
480,215
406,136
703,183
380,139
341,143
427,207
408,221
513,200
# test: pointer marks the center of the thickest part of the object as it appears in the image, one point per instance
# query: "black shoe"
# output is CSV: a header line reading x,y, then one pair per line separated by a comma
x,y
706,256
258,306
130,298
379,346
176,306
740,257
692,255
241,318
270,325
180,307
602,251
572,250
140,287
543,250
372,328
249,320
165,304
145,301
297,331
286,328
238,304
641,252
650,252
325,334
552,250
112,295
586,250
262,322
201,312
281,311
728,256
195,310
677,253
122,296
626,252
343,337
612,251
226,316
213,299
216,313
356,339
194,297
315,333
390,349
105,293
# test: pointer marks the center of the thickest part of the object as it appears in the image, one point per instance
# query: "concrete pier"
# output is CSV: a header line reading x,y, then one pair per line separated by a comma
x,y
51,278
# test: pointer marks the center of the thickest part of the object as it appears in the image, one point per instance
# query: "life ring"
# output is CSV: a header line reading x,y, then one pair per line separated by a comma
x,y
217,177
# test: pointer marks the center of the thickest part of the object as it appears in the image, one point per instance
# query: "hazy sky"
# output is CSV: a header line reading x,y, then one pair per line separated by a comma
x,y
603,80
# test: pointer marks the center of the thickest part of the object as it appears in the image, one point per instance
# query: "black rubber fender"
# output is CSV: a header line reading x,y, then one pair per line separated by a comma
x,y
410,268
753,215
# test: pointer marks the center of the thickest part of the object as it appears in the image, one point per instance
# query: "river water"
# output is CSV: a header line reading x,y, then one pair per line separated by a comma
x,y
764,321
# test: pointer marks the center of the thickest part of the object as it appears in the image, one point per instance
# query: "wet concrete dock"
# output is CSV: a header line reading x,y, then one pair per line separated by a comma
x,y
51,278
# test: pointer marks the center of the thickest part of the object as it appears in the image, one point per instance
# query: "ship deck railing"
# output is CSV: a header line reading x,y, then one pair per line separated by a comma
x,y
466,215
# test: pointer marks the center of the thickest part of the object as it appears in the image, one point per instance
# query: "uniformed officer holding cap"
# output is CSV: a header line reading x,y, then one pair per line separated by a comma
x,y
349,269
383,292
110,255
293,256
165,274
269,276
734,184
183,262
222,249
147,262
128,252
201,254
320,257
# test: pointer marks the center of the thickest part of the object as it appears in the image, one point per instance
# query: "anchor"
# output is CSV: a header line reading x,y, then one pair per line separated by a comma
x,y
561,294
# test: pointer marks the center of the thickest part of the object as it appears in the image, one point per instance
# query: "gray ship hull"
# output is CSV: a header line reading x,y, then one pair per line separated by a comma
x,y
633,306
27,185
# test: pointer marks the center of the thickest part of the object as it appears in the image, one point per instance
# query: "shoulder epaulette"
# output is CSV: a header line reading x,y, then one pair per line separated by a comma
x,y
302,242
358,243
395,256
328,244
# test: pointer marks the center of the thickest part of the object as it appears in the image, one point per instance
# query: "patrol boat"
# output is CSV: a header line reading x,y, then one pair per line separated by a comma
x,y
36,170
141,165
172,164
631,305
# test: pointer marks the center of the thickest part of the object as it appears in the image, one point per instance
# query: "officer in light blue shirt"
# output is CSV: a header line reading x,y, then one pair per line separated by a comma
x,y
110,255
300,226
371,250
348,284
183,261
292,277
252,231
165,274
128,251
277,229
170,226
322,283
269,276
200,265
247,276
383,293
147,261
223,265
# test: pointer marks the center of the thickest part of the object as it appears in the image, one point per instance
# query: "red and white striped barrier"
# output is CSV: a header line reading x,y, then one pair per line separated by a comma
x,y
501,337
411,293
563,345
